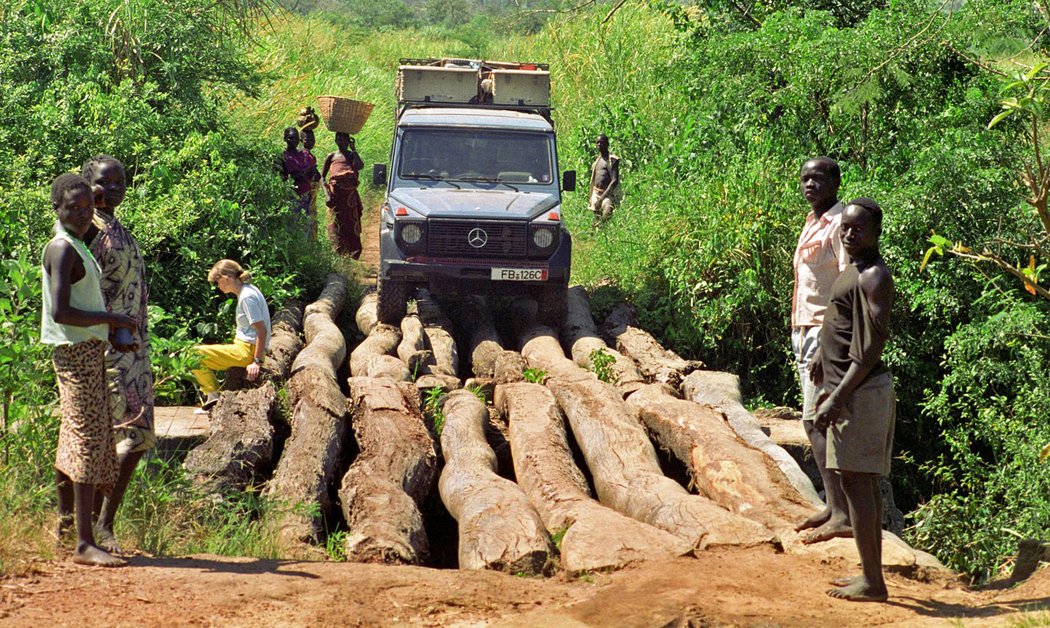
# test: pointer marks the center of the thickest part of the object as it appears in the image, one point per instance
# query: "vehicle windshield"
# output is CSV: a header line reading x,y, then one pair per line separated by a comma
x,y
475,155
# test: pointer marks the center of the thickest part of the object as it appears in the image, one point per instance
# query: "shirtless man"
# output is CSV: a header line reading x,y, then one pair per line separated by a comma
x,y
605,183
857,406
819,258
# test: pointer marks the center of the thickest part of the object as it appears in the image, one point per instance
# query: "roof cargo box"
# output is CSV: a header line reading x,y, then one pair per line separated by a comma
x,y
521,87
418,84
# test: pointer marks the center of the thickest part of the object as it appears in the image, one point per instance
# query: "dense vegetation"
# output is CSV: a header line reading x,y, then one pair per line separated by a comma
x,y
713,107
149,83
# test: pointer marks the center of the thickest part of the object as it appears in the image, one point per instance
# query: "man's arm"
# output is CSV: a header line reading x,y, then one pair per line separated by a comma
x,y
877,288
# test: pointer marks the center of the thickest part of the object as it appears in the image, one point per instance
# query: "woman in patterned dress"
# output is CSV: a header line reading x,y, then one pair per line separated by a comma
x,y
75,321
128,369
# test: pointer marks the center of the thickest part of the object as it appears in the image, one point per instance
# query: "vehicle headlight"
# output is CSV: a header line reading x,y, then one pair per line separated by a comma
x,y
411,234
543,237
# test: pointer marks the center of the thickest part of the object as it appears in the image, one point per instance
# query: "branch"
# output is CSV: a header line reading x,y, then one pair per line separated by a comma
x,y
613,10
977,62
988,256
899,50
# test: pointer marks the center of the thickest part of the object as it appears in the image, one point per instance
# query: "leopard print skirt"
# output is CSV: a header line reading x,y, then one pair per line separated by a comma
x,y
87,451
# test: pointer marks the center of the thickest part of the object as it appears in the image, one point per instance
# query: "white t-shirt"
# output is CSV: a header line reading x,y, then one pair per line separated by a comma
x,y
251,309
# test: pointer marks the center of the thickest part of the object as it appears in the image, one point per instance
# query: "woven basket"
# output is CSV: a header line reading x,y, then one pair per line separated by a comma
x,y
343,115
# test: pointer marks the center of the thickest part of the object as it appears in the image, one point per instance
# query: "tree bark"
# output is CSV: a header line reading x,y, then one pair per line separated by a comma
x,y
723,469
580,335
307,469
314,449
591,535
498,528
382,341
388,366
485,346
413,346
239,450
438,329
722,390
655,363
391,477
366,316
510,367
622,461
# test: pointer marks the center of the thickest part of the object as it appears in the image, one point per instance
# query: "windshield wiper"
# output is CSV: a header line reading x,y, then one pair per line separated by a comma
x,y
430,177
488,180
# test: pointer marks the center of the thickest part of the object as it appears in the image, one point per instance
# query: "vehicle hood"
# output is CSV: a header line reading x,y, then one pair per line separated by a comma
x,y
452,203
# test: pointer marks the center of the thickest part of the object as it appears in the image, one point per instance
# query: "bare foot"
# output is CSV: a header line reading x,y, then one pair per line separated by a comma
x,y
860,591
96,556
845,581
833,529
816,520
107,541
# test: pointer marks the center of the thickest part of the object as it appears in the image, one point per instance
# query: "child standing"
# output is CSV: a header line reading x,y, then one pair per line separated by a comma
x,y
128,368
75,321
252,337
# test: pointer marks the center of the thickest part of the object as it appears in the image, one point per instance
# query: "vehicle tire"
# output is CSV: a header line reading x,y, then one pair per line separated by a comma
x,y
551,301
391,301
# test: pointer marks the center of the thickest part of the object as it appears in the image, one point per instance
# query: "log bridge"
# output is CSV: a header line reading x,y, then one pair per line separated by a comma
x,y
538,464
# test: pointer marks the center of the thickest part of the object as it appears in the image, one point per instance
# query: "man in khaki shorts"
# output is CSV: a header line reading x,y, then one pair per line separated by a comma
x,y
856,405
605,183
819,258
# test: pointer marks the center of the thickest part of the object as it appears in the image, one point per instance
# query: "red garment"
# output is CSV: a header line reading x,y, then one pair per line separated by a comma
x,y
299,165
344,215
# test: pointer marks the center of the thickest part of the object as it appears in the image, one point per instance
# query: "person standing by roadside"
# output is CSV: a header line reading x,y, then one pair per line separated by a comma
x,y
605,183
341,176
299,166
818,260
128,369
857,405
307,122
75,322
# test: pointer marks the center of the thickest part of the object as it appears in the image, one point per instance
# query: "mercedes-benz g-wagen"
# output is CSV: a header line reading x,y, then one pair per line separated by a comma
x,y
473,196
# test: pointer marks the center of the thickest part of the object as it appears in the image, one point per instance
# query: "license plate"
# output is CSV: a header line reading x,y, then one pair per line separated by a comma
x,y
519,274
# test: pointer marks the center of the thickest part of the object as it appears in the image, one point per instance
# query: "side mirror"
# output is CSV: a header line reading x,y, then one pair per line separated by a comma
x,y
568,180
379,174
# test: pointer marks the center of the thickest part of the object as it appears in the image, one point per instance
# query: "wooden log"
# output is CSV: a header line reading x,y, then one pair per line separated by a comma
x,y
722,390
330,302
622,460
592,536
238,452
498,528
446,383
438,329
510,367
413,349
388,366
655,363
580,336
724,469
307,470
366,317
382,341
313,452
485,345
391,477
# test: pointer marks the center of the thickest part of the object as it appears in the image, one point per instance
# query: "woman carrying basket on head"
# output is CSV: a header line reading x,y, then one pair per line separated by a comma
x,y
341,176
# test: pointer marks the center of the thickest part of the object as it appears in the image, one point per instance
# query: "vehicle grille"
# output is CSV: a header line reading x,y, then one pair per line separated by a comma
x,y
502,239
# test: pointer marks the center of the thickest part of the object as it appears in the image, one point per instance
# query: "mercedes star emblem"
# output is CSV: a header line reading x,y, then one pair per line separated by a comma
x,y
477,238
